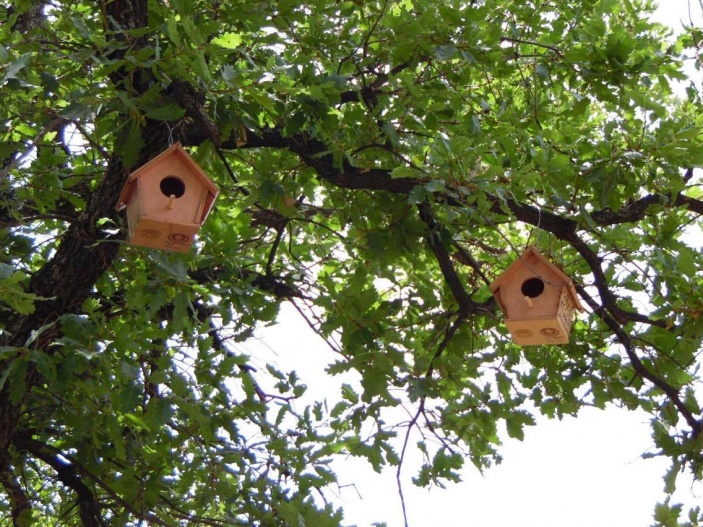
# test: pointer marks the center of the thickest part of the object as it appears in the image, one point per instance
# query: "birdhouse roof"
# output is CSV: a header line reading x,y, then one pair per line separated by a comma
x,y
175,150
554,273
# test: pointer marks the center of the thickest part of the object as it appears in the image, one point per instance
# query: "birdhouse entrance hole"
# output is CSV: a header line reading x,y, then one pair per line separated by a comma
x,y
172,186
533,287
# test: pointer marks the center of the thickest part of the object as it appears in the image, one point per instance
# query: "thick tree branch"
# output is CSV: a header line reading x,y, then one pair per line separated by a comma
x,y
434,239
89,507
639,367
268,283
343,174
315,154
634,211
189,99
608,298
368,94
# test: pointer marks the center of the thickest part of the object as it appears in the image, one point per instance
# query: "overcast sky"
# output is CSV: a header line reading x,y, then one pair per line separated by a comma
x,y
579,472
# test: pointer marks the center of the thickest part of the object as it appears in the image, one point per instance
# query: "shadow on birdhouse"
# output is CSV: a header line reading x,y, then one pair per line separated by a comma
x,y
537,299
167,200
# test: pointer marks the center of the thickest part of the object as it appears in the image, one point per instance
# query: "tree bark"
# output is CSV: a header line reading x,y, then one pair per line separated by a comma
x,y
68,278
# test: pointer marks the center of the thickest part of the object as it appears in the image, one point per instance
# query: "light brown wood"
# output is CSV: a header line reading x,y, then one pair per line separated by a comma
x,y
537,299
167,200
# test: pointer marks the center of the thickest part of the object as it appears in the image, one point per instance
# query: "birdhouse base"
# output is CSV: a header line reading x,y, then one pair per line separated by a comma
x,y
536,331
544,330
163,235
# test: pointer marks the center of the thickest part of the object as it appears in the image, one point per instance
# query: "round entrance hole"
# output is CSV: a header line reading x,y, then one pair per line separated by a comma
x,y
532,287
172,186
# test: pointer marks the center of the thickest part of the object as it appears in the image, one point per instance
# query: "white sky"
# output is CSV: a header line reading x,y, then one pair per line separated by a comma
x,y
580,472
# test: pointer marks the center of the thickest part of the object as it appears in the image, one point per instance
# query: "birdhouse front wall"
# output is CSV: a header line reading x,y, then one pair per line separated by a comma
x,y
544,330
540,305
170,191
149,226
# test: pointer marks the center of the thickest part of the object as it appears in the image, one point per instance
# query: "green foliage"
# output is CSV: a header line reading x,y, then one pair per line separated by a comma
x,y
12,292
380,163
667,515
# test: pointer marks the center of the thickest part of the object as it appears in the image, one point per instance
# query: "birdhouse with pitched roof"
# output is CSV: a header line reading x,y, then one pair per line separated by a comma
x,y
537,299
167,201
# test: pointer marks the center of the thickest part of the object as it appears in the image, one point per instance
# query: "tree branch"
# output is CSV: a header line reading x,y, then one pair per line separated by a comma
x,y
343,174
314,153
636,210
68,475
434,239
531,43
368,94
639,367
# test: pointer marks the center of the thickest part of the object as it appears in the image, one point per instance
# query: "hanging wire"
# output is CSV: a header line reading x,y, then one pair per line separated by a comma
x,y
170,133
539,222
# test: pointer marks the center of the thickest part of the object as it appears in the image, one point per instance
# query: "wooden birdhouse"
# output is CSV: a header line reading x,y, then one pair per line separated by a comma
x,y
167,200
537,299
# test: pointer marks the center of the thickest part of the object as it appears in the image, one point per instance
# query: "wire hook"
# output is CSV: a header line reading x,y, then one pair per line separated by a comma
x,y
170,133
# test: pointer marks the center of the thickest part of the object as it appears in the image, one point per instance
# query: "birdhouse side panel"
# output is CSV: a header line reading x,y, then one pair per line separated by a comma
x,y
565,310
208,202
135,208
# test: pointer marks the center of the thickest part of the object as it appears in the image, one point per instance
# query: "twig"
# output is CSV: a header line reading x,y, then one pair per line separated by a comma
x,y
53,124
411,424
274,248
530,43
421,408
230,172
